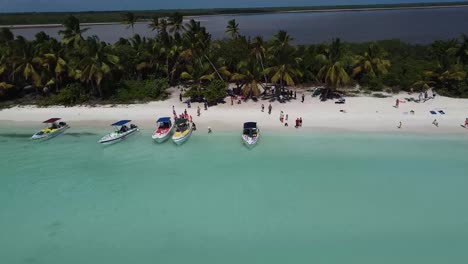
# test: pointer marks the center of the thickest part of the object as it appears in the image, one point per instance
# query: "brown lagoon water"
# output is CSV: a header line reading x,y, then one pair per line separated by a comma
x,y
414,26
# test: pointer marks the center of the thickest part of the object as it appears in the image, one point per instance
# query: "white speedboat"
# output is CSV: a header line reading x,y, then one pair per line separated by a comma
x,y
164,131
121,132
54,128
251,134
183,131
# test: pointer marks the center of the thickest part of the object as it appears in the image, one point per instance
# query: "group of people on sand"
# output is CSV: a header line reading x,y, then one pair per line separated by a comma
x,y
284,119
184,115
269,108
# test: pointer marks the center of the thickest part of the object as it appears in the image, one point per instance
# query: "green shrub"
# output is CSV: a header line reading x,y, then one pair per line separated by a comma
x,y
372,83
142,91
215,91
72,94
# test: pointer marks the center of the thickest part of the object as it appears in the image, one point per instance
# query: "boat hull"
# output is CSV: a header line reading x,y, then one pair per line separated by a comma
x,y
113,138
160,138
46,136
250,142
183,139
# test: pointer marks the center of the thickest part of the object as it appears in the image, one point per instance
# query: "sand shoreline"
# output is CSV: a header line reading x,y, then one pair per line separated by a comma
x,y
363,114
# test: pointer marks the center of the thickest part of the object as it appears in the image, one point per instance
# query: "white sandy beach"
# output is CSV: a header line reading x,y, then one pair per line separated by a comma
x,y
366,114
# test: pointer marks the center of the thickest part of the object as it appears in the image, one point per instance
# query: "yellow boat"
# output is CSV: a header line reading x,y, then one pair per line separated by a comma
x,y
183,131
54,128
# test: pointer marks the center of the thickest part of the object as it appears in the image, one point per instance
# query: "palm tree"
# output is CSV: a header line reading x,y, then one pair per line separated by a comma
x,y
258,49
334,63
4,87
97,65
198,73
130,19
26,63
283,60
6,35
198,43
249,74
371,62
54,62
72,32
232,28
154,23
176,21
163,35
461,51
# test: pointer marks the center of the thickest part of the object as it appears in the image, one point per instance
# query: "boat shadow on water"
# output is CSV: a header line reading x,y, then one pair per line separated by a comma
x,y
80,134
15,135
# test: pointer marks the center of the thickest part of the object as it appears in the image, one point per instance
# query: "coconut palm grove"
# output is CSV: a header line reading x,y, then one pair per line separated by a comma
x,y
78,70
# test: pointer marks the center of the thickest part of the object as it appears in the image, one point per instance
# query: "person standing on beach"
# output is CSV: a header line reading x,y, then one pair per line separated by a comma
x,y
399,126
269,109
281,117
263,108
185,112
198,111
286,117
295,95
180,97
466,123
297,123
300,121
232,100
397,104
435,123
303,97
206,105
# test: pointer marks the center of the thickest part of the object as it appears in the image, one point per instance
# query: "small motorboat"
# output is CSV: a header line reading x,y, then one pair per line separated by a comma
x,y
164,131
251,134
183,131
54,128
121,132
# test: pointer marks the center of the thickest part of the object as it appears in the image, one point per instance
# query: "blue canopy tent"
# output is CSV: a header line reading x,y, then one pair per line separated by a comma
x,y
121,123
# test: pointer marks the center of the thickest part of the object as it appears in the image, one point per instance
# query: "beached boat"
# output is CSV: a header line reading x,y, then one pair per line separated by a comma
x,y
54,128
121,132
183,131
251,134
164,129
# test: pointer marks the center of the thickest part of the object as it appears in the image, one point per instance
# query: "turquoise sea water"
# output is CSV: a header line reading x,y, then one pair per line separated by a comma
x,y
296,198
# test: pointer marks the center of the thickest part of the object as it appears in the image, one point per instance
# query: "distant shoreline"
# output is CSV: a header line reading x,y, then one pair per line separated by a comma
x,y
28,19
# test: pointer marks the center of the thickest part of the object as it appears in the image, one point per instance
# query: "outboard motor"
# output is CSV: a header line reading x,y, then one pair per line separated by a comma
x,y
132,126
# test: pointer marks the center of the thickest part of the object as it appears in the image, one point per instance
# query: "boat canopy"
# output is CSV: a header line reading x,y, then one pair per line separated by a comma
x,y
250,125
121,123
52,120
164,120
181,121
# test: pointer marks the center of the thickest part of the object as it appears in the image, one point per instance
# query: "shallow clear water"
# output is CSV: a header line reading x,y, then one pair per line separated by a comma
x,y
297,198
414,26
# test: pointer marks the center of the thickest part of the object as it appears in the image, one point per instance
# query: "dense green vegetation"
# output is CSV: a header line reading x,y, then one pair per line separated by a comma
x,y
116,16
75,70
